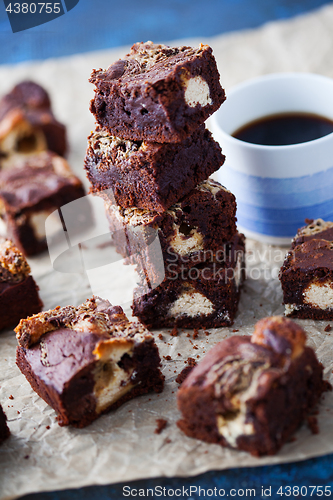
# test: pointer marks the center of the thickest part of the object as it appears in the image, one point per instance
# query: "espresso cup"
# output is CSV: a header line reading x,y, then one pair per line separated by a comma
x,y
276,187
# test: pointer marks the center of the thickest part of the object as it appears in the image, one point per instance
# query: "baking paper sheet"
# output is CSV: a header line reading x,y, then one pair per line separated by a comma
x,y
122,445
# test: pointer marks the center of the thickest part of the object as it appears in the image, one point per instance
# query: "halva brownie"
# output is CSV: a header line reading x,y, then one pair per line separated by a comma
x,y
4,430
157,93
18,290
307,280
87,360
204,295
150,175
29,192
27,124
252,393
195,227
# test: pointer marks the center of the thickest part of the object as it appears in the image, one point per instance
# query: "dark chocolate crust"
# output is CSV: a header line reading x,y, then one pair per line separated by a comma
x,y
40,184
150,175
142,96
4,430
218,284
285,385
28,103
308,263
61,362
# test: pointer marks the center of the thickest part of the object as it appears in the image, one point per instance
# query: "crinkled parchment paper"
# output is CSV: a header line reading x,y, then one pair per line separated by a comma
x,y
122,445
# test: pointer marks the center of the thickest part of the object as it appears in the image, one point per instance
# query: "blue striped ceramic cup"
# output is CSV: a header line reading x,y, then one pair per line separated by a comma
x,y
277,187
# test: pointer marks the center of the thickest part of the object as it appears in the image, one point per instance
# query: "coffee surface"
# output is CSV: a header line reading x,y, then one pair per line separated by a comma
x,y
284,129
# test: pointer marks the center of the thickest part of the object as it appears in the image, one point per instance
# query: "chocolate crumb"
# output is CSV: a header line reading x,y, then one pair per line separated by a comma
x,y
160,336
191,363
234,331
48,427
313,424
11,397
168,358
174,332
327,328
161,425
195,334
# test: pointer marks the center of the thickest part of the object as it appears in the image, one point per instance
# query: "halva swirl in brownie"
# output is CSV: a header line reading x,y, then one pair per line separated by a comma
x,y
29,192
252,393
205,295
87,360
150,175
157,93
18,290
4,430
307,273
27,124
198,224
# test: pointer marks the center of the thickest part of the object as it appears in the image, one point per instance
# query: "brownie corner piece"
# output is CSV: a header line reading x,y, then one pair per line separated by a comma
x,y
86,360
253,393
30,191
157,93
19,296
4,429
27,124
307,273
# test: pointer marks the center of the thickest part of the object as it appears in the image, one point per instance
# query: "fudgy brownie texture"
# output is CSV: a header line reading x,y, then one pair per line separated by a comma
x,y
18,290
27,124
307,279
252,393
157,93
29,192
4,430
191,231
149,175
87,360
204,295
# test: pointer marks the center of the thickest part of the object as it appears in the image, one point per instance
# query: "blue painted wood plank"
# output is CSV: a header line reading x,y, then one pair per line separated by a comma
x,y
100,24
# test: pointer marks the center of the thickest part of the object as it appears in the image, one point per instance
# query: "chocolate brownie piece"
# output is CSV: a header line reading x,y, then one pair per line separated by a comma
x,y
157,93
307,280
190,231
84,361
252,393
150,175
204,295
27,124
30,192
18,290
4,430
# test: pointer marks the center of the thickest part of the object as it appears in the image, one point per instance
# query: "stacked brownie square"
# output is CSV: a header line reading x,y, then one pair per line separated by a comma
x,y
150,158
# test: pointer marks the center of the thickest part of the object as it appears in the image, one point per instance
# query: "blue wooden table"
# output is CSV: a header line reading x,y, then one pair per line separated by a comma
x,y
100,24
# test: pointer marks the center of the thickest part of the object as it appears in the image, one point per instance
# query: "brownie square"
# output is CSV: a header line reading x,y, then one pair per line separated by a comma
x,y
252,393
157,93
84,361
4,430
317,229
27,124
194,228
18,291
150,175
30,192
204,295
